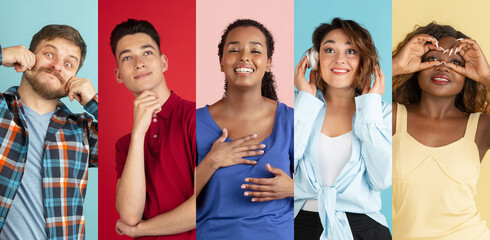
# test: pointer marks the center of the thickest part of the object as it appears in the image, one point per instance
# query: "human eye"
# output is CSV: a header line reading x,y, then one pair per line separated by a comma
x,y
147,53
48,54
233,50
126,58
430,58
457,62
329,50
256,51
351,51
68,64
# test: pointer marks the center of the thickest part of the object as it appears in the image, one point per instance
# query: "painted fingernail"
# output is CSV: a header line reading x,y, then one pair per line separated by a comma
x,y
438,64
245,193
450,52
262,145
260,152
459,39
247,180
255,135
243,186
253,199
456,50
268,165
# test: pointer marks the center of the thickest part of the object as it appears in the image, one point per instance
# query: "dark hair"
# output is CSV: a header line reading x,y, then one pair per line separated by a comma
x,y
50,32
130,27
268,81
406,89
360,38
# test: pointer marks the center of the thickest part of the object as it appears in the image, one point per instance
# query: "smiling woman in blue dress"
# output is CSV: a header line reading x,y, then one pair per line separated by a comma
x,y
245,145
342,137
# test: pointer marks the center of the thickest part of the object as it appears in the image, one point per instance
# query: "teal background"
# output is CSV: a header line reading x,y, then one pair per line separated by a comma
x,y
19,21
375,16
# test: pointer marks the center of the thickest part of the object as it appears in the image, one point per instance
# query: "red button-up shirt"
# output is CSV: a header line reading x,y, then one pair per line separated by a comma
x,y
170,159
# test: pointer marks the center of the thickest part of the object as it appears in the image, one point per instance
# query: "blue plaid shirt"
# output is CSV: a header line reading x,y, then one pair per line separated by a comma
x,y
69,149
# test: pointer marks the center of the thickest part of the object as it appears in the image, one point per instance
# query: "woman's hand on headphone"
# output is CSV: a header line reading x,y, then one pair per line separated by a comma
x,y
379,83
300,81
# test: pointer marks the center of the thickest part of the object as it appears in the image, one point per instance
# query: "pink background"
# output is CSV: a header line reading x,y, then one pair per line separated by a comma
x,y
213,16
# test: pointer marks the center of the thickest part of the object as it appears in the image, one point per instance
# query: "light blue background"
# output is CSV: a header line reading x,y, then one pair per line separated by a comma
x,y
19,21
375,16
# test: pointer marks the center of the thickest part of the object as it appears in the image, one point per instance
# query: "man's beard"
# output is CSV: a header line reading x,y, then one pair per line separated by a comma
x,y
42,89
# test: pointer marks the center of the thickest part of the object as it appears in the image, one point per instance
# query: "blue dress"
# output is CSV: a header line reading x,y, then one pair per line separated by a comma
x,y
223,212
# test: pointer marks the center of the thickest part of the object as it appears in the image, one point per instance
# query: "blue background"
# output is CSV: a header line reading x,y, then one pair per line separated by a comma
x,y
19,21
375,16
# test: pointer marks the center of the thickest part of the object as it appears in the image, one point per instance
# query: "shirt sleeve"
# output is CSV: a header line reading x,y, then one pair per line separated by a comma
x,y
306,109
372,125
92,127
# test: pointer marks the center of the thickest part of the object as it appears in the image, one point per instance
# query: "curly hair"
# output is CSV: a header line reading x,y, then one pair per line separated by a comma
x,y
406,89
268,81
360,38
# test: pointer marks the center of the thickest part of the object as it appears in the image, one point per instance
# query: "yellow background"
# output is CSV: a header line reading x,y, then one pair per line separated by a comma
x,y
469,17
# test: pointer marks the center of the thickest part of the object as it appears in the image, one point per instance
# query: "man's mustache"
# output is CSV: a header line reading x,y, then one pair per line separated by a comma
x,y
54,72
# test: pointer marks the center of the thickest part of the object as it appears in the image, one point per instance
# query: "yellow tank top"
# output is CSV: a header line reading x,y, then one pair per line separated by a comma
x,y
434,187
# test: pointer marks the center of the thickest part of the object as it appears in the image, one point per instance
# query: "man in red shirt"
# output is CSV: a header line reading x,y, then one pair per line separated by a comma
x,y
155,163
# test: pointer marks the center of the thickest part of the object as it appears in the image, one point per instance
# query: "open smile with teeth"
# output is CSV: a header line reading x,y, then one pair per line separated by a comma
x,y
243,70
440,79
339,71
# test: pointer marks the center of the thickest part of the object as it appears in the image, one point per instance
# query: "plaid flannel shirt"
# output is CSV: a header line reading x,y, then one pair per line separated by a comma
x,y
70,148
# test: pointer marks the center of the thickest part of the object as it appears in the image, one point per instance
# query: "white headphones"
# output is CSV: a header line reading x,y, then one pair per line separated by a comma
x,y
312,56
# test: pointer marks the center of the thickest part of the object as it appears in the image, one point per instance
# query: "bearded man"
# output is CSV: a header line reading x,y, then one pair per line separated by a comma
x,y
46,149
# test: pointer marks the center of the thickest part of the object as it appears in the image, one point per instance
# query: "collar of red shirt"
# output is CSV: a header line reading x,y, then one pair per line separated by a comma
x,y
169,105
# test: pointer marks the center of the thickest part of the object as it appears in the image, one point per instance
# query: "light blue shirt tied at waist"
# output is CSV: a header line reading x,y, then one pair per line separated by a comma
x,y
357,187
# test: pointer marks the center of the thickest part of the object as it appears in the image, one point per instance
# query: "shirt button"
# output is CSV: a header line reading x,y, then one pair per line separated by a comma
x,y
12,188
1,219
155,136
155,120
22,160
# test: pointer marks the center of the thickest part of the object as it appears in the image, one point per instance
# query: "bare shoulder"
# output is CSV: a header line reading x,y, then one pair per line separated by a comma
x,y
483,134
484,125
270,105
216,108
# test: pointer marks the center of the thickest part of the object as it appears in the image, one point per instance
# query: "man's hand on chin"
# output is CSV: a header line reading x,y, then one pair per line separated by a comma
x,y
80,89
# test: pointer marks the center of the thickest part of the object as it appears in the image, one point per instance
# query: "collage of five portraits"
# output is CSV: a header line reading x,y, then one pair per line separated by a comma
x,y
258,119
